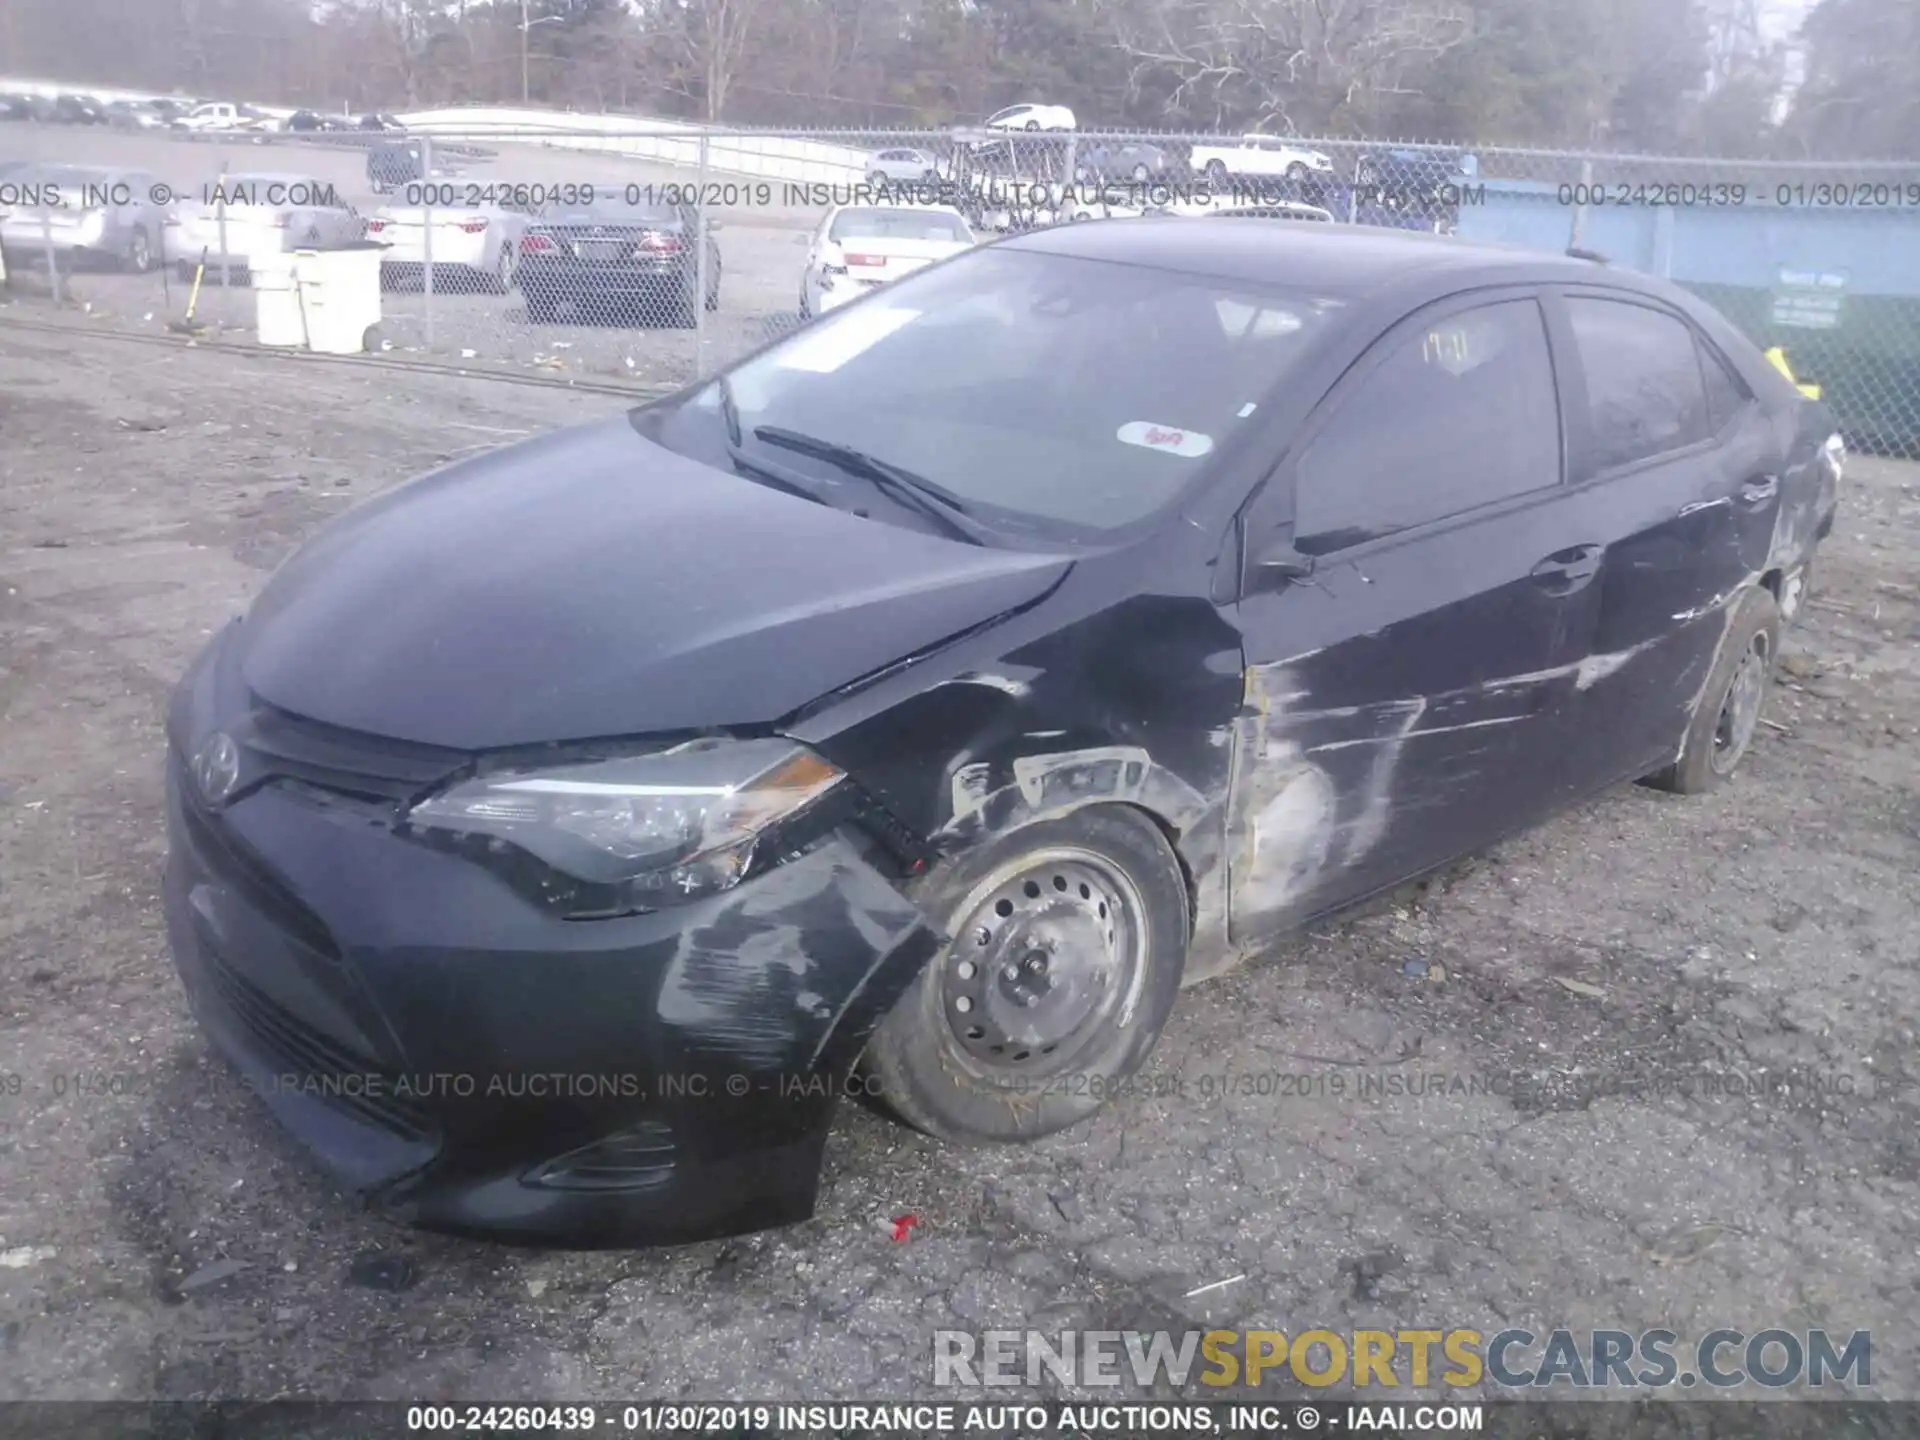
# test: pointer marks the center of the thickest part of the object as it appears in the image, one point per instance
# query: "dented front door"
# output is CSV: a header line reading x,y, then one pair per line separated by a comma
x,y
1401,708
1404,701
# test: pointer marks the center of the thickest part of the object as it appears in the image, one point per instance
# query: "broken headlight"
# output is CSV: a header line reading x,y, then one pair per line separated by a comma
x,y
636,832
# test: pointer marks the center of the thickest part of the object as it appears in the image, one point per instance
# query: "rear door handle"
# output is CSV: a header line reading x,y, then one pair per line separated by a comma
x,y
1759,490
1565,571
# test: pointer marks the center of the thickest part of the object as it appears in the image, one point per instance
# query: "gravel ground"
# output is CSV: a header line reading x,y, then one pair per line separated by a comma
x,y
1553,1151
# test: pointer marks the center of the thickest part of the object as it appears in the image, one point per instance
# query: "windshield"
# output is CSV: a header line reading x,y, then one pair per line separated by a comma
x,y
1057,396
881,224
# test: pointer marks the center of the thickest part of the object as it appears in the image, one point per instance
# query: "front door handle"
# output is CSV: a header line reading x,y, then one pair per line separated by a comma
x,y
1566,571
1759,490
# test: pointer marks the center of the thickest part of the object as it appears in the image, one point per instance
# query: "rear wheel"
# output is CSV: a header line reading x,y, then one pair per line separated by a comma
x,y
1728,711
1068,941
139,253
1296,172
1217,172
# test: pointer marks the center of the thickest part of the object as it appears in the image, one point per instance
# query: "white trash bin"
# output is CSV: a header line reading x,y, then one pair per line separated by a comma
x,y
276,301
341,291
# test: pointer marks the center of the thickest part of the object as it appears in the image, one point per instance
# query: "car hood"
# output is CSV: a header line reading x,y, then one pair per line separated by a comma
x,y
590,584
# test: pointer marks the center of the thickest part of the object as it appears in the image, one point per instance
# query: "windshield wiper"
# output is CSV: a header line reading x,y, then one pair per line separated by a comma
x,y
936,502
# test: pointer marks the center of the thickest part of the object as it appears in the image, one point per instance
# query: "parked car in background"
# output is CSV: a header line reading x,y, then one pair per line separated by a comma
x,y
136,115
882,706
1031,117
1265,210
1141,163
237,218
1411,189
223,116
860,247
902,165
24,106
309,122
393,164
78,110
1259,157
473,249
628,261
83,214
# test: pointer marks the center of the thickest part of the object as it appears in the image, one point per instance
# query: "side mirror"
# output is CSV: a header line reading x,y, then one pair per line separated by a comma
x,y
1278,560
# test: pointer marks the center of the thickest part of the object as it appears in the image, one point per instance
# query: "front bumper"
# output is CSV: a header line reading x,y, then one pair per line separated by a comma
x,y
472,1064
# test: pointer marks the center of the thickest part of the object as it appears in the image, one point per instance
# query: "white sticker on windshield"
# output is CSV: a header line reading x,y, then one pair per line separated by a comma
x,y
833,344
1190,443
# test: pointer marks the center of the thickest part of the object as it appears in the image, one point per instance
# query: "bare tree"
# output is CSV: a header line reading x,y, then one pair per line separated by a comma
x,y
1287,61
705,44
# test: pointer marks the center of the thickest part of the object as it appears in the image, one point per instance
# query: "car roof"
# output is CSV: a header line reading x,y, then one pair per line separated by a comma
x,y
1326,259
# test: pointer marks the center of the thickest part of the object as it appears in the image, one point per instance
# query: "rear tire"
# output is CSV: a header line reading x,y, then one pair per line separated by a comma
x,y
1069,939
1728,711
139,253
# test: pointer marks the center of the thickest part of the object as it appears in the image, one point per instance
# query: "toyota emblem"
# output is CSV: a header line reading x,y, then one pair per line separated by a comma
x,y
216,769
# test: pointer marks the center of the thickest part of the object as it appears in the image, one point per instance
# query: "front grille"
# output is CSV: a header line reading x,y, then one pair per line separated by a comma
x,y
317,1065
234,865
282,746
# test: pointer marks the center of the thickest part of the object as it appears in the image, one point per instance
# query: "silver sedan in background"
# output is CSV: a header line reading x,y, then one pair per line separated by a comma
x,y
80,213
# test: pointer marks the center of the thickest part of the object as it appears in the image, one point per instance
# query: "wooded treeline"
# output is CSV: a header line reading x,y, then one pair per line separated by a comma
x,y
1665,76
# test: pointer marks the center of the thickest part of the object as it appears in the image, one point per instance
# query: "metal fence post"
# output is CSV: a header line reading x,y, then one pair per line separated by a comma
x,y
426,220
1579,233
700,257
220,223
53,260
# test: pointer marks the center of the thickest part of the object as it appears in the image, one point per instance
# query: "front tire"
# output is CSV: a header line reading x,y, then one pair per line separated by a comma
x,y
1069,937
1728,711
139,253
1217,173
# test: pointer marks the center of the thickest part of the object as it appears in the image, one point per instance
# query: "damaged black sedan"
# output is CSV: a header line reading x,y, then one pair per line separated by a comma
x,y
931,696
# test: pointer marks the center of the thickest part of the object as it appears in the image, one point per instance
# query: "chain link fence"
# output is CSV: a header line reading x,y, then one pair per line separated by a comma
x,y
651,254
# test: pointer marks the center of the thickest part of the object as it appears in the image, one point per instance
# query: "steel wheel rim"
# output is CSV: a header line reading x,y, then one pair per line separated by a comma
x,y
1052,945
1739,715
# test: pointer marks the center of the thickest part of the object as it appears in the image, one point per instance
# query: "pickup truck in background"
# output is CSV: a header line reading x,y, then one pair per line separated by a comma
x,y
1260,157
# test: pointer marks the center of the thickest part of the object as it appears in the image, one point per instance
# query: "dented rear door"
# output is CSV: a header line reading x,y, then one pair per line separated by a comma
x,y
1690,497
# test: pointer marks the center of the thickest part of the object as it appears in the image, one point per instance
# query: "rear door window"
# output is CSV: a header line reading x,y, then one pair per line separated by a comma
x,y
1460,414
1645,392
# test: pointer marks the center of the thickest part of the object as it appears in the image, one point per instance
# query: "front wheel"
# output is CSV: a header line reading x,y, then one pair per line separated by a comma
x,y
1068,941
1728,711
139,253
1217,172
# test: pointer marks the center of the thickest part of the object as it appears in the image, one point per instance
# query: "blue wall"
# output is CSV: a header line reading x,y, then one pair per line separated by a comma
x,y
1878,250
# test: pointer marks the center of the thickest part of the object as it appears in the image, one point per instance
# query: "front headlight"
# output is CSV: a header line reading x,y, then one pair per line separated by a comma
x,y
641,831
